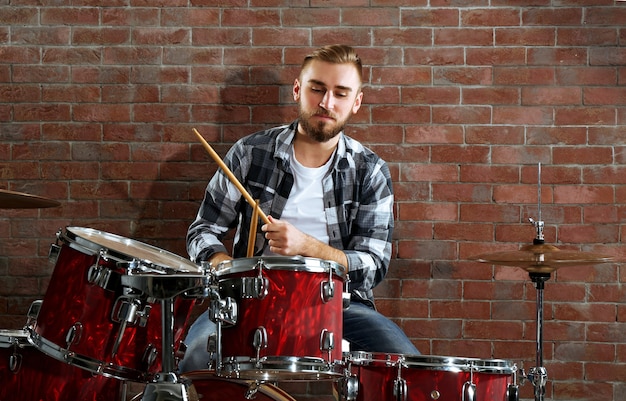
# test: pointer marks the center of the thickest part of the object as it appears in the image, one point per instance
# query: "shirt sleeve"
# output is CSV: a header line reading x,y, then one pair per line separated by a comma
x,y
218,211
369,246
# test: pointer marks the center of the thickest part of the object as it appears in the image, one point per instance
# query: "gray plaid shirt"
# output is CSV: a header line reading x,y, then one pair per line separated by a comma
x,y
358,199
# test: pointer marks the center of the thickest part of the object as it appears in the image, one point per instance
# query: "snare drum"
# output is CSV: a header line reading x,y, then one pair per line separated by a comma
x,y
101,311
289,317
27,374
378,377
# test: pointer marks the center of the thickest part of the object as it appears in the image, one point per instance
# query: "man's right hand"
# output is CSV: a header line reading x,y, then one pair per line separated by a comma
x,y
218,258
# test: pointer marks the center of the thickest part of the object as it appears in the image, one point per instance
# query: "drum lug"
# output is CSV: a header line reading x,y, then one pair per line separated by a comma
x,y
150,355
33,313
469,391
15,362
53,253
74,334
97,274
469,388
254,287
400,390
327,340
512,393
328,290
259,341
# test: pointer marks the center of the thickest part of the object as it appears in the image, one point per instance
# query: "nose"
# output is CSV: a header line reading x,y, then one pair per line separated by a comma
x,y
327,101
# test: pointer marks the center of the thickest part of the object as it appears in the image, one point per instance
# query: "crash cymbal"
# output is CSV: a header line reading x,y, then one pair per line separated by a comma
x,y
542,258
18,200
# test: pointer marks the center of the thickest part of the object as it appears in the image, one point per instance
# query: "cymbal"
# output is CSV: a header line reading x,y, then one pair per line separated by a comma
x,y
19,200
542,258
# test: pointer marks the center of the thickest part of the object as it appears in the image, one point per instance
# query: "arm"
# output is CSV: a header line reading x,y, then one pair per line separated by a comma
x,y
284,239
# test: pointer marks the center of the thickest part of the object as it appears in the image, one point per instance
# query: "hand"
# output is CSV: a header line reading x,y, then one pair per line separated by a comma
x,y
219,257
284,239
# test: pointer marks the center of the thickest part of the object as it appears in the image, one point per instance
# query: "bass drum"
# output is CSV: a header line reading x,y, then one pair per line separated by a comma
x,y
205,385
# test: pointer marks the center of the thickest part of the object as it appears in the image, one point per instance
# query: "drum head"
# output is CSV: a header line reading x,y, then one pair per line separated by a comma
x,y
206,386
295,263
149,259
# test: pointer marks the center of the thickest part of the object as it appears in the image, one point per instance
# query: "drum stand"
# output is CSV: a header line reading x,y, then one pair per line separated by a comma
x,y
166,385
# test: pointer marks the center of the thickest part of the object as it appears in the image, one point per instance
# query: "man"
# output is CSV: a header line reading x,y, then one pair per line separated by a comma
x,y
326,195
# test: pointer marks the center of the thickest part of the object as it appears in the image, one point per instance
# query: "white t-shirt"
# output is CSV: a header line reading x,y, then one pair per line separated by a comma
x,y
305,207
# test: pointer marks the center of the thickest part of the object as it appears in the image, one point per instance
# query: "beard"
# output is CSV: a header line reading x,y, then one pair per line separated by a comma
x,y
320,132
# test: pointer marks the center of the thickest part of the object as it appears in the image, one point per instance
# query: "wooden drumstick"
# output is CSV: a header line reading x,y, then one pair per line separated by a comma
x,y
253,225
232,177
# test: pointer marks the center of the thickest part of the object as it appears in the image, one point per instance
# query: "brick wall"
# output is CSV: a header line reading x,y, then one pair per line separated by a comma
x,y
463,99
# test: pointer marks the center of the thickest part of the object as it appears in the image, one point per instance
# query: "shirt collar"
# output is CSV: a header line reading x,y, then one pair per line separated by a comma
x,y
285,138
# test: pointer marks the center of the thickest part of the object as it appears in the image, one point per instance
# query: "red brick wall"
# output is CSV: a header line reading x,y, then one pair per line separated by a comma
x,y
464,98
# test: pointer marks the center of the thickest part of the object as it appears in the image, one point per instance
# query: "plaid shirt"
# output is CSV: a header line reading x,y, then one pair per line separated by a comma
x,y
358,201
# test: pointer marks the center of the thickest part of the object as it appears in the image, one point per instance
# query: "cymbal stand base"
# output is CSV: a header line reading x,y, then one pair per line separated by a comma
x,y
166,387
538,375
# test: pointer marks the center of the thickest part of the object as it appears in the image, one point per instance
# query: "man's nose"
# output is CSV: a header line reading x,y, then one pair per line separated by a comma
x,y
327,101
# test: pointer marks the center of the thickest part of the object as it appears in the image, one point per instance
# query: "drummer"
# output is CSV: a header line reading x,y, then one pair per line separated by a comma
x,y
326,196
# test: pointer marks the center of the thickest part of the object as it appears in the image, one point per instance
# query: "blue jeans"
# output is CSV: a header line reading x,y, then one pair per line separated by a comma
x,y
368,330
363,327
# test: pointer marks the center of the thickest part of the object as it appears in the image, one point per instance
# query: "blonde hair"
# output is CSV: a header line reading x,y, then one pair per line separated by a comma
x,y
336,54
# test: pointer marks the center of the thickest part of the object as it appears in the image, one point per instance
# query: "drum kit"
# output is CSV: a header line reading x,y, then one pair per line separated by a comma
x,y
116,311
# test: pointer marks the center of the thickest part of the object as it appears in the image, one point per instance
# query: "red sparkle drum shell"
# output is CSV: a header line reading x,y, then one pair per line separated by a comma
x,y
205,385
28,375
429,378
293,313
75,323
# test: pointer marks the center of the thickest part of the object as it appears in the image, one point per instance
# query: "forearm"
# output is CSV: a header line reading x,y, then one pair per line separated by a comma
x,y
320,250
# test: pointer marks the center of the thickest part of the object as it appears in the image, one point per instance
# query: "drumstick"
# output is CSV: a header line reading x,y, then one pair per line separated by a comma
x,y
253,224
231,177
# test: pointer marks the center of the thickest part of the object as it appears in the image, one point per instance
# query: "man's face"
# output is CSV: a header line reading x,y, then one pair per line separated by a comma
x,y
328,95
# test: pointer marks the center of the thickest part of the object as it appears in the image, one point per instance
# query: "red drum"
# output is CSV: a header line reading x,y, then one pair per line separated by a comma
x,y
101,311
28,375
207,387
289,317
378,377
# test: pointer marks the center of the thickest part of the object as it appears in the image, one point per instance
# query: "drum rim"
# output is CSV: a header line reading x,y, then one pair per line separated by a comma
x,y
433,362
293,263
89,241
14,337
90,364
265,388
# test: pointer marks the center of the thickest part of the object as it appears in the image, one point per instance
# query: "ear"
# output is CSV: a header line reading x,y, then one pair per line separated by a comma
x,y
357,102
296,90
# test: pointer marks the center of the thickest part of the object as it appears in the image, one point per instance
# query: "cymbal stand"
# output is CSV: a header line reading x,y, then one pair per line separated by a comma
x,y
538,375
166,385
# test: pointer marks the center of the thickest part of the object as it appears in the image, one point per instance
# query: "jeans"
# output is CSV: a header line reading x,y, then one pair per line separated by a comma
x,y
363,327
368,330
